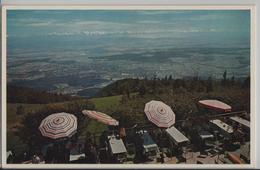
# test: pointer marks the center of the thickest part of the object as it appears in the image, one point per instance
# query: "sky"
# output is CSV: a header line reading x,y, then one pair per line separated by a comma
x,y
102,32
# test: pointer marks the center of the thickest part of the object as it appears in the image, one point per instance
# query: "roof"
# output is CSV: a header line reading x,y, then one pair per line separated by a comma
x,y
205,135
241,121
176,135
152,147
147,139
245,150
215,105
222,125
76,157
116,145
8,153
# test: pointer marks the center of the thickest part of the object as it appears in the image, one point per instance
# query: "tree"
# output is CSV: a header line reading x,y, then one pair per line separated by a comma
x,y
224,80
154,83
142,90
126,91
166,78
209,85
124,98
170,78
233,80
166,81
246,82
20,110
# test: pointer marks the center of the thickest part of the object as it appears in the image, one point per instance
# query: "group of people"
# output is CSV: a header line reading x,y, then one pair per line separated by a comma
x,y
58,153
90,150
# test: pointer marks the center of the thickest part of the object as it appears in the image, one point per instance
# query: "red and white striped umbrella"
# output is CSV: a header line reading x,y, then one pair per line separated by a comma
x,y
159,113
215,105
59,125
101,117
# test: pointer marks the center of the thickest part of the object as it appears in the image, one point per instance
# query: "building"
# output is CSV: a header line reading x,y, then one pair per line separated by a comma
x,y
117,149
245,152
150,148
243,122
176,136
204,135
222,127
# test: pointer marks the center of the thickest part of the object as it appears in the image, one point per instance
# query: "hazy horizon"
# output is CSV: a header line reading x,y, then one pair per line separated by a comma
x,y
61,46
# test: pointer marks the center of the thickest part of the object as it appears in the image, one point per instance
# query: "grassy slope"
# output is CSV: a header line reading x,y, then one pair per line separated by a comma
x,y
101,104
93,126
104,103
13,118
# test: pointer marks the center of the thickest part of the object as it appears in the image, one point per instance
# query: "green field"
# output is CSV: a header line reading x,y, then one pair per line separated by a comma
x,y
14,120
104,103
101,104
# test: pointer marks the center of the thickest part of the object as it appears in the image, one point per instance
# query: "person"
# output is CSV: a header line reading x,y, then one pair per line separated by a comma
x,y
25,156
79,148
107,151
122,134
93,154
87,150
49,158
139,147
36,159
162,158
55,152
62,153
67,152
59,152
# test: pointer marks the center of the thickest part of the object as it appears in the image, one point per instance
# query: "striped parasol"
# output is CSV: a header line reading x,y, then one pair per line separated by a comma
x,y
159,113
101,117
59,125
215,105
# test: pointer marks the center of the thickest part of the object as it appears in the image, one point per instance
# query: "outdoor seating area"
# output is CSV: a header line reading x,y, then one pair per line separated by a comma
x,y
166,144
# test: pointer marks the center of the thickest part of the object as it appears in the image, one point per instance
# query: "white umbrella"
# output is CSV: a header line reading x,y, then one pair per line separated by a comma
x,y
59,125
159,113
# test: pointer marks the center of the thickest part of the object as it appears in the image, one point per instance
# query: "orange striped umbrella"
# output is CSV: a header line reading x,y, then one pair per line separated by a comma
x,y
101,117
159,113
59,125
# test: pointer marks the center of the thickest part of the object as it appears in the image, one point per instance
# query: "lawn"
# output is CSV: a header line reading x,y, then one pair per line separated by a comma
x,y
108,103
104,103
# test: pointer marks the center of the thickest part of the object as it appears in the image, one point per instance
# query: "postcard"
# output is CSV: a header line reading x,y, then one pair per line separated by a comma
x,y
128,86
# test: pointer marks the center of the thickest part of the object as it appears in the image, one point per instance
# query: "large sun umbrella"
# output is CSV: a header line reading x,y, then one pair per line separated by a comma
x,y
159,113
215,105
101,117
59,125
